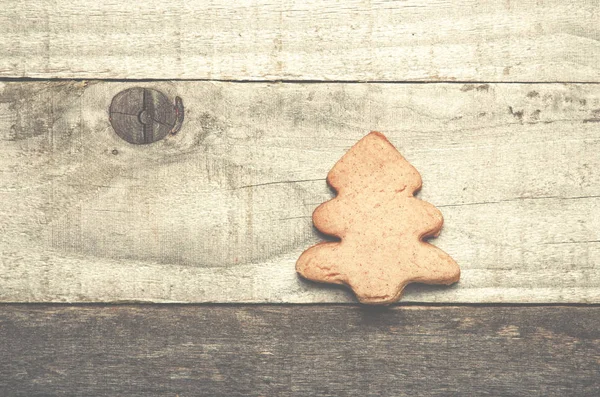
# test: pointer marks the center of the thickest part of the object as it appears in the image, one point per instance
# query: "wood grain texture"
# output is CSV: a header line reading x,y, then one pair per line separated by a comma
x,y
377,40
221,211
299,351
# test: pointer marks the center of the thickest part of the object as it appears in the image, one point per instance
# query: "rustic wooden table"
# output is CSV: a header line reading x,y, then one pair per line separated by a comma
x,y
167,269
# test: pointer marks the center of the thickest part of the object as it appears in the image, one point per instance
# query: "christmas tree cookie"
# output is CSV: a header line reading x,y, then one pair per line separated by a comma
x,y
381,226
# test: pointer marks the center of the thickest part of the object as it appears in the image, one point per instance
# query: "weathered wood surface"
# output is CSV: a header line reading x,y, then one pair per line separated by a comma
x,y
378,40
221,211
299,351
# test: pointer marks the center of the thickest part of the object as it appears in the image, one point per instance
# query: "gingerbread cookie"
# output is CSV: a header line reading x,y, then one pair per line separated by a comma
x,y
381,226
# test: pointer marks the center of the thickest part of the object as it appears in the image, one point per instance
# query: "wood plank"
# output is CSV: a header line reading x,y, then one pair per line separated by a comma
x,y
298,351
221,211
377,40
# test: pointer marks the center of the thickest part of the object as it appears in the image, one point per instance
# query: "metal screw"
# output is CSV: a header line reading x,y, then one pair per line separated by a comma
x,y
143,115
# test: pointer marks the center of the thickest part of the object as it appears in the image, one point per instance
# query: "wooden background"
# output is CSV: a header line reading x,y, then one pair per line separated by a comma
x,y
168,269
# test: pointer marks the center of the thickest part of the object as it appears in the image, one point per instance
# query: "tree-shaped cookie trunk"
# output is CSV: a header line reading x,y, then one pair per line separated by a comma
x,y
381,226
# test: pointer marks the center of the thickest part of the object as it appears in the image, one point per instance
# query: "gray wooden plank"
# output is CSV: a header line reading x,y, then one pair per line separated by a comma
x,y
221,211
298,351
377,40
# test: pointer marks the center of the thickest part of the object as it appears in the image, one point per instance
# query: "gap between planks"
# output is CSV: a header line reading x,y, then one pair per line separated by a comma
x,y
281,81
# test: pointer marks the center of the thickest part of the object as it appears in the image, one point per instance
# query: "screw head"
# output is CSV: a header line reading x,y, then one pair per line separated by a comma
x,y
142,115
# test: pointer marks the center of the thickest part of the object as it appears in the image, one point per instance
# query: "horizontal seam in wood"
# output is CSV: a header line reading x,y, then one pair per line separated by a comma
x,y
286,81
250,304
519,199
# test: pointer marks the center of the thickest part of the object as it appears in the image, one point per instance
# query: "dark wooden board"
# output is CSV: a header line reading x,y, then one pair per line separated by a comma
x,y
327,350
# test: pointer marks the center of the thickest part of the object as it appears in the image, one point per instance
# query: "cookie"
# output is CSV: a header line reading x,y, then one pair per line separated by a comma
x,y
381,227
